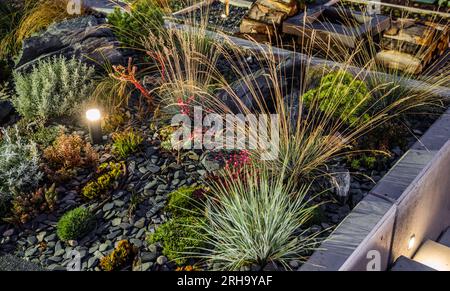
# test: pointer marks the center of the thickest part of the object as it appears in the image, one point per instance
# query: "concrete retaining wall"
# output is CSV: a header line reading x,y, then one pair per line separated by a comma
x,y
422,210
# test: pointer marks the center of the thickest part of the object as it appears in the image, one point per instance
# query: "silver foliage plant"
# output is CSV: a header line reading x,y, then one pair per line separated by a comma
x,y
19,164
259,219
55,87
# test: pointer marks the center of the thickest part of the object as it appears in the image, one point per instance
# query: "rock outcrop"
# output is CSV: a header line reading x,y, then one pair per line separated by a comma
x,y
289,72
86,38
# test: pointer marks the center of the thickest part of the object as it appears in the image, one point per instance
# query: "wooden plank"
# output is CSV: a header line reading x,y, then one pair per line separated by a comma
x,y
408,8
434,255
255,27
397,60
264,14
289,6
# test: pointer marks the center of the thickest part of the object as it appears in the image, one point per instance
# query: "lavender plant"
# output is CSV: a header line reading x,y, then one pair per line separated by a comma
x,y
56,87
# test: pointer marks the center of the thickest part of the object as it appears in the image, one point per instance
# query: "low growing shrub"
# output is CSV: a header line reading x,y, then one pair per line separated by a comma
x,y
114,121
165,136
120,257
56,87
19,164
185,201
67,153
44,136
74,224
108,175
340,95
145,18
126,143
180,237
27,206
368,162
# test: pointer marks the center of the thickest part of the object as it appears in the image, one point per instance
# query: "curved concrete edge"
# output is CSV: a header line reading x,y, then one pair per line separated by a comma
x,y
418,188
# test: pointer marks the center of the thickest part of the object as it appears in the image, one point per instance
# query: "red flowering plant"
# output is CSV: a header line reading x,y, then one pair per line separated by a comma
x,y
184,106
235,164
128,74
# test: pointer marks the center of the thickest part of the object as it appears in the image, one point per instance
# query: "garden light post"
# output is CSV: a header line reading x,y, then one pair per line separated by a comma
x,y
95,128
227,9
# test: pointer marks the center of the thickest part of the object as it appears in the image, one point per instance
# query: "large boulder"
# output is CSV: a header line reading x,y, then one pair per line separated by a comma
x,y
289,76
86,38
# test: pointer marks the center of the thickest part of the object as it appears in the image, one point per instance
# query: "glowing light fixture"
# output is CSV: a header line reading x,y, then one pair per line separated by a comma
x,y
411,242
93,115
227,9
94,122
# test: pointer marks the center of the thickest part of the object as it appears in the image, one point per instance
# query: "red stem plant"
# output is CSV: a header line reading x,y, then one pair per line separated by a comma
x,y
128,74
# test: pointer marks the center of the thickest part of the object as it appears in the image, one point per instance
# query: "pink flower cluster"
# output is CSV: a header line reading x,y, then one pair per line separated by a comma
x,y
185,106
236,162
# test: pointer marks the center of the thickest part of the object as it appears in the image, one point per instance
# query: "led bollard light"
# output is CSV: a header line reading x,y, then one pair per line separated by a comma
x,y
95,128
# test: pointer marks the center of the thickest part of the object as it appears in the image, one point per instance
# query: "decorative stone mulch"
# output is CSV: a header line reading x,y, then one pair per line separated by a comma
x,y
152,175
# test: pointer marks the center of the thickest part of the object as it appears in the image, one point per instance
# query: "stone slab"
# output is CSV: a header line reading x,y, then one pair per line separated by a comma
x,y
104,6
444,239
399,177
436,136
434,255
403,264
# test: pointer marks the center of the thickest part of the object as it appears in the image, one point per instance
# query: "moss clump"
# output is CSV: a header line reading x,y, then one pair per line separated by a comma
x,y
122,255
126,143
74,224
185,201
179,236
364,161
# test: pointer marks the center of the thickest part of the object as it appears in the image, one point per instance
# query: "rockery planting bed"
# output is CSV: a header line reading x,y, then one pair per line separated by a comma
x,y
134,201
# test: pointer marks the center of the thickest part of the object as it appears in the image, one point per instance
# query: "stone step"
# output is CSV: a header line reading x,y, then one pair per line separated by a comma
x,y
444,239
405,264
434,255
